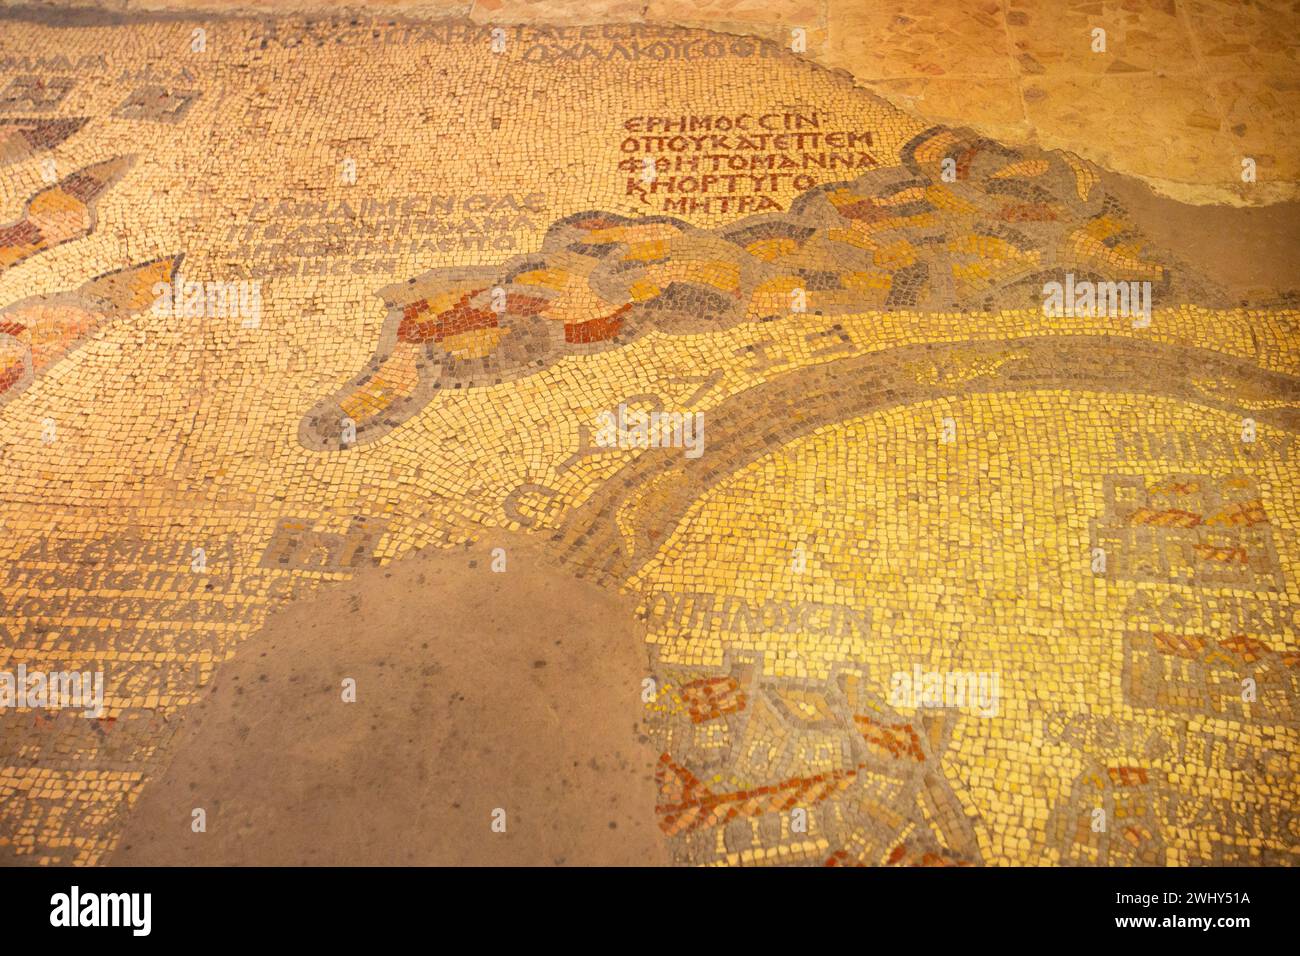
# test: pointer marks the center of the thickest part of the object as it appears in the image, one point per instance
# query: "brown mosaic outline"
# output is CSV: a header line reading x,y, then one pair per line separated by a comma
x,y
887,802
105,298
22,138
891,239
650,494
1226,541
24,237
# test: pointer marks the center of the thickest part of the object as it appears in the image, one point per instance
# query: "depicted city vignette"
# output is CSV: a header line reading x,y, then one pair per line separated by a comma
x,y
434,439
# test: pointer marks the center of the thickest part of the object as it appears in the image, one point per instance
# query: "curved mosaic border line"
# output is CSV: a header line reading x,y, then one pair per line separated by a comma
x,y
61,212
39,331
650,495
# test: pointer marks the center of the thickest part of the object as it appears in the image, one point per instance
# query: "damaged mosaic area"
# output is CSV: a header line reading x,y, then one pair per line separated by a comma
x,y
909,468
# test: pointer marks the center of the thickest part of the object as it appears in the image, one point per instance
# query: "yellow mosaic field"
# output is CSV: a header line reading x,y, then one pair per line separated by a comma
x,y
455,256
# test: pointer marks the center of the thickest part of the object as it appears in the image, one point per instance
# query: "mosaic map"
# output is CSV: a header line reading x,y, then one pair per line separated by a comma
x,y
955,513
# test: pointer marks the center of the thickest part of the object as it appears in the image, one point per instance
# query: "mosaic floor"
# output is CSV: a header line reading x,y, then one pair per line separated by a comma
x,y
284,300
